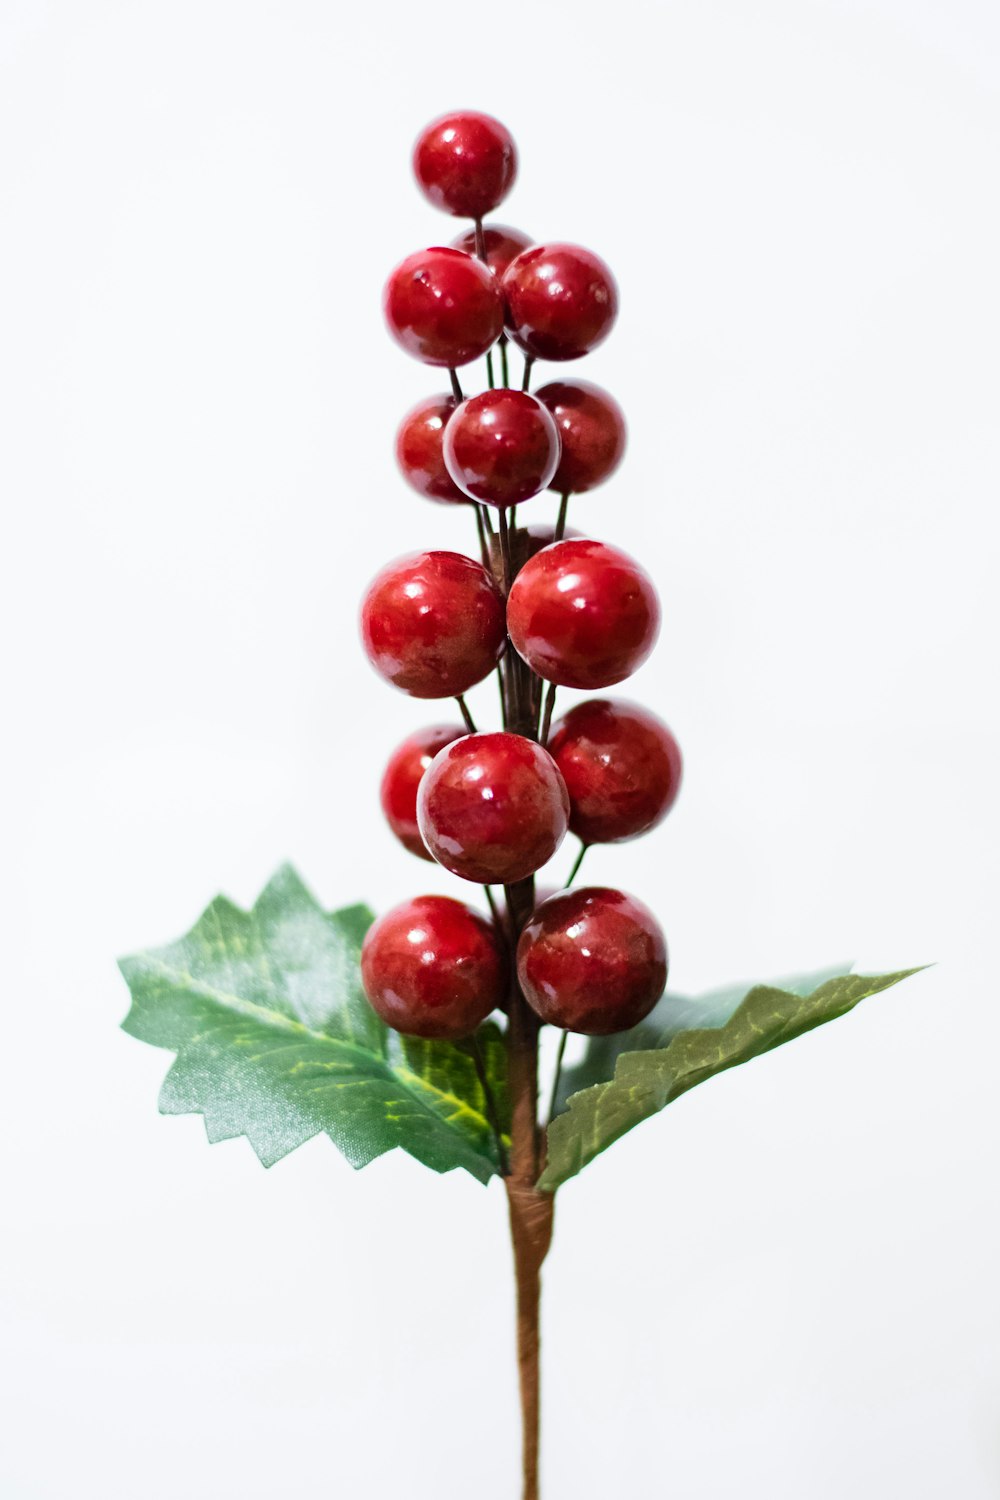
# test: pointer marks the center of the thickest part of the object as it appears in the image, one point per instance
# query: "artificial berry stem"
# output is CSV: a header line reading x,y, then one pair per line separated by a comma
x,y
484,546
469,721
505,550
576,866
560,530
503,360
456,388
557,1075
526,378
550,701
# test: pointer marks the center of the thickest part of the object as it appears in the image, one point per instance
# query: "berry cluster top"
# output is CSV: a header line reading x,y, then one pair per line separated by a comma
x,y
540,606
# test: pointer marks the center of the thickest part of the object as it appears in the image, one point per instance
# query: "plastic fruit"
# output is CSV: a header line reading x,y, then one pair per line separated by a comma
x,y
562,301
493,808
621,766
591,433
419,453
583,614
592,960
465,163
433,967
432,624
501,447
401,780
501,243
444,307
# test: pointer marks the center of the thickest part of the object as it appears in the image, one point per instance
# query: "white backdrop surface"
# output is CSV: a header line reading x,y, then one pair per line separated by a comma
x,y
785,1287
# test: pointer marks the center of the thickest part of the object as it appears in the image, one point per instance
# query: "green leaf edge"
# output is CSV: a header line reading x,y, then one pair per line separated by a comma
x,y
568,1151
479,1166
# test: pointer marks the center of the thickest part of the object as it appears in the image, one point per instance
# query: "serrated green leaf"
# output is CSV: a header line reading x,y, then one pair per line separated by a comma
x,y
624,1079
276,1041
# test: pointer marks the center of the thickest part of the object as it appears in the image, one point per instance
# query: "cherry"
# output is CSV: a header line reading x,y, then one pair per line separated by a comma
x,y
419,454
501,447
433,967
432,624
592,960
492,808
583,614
501,243
444,307
402,777
465,163
621,766
561,301
592,432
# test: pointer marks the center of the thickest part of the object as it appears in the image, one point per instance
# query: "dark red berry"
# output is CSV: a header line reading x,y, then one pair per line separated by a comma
x,y
592,960
432,624
502,245
583,614
501,447
444,307
465,163
419,452
621,766
402,777
433,967
591,430
561,301
492,808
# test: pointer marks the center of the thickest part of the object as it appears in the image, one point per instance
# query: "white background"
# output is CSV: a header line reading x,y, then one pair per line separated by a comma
x,y
786,1286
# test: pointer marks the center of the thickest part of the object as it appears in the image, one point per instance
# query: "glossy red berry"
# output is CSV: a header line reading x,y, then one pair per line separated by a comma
x,y
465,163
419,450
592,960
621,766
493,808
444,307
501,447
501,243
432,624
591,430
402,777
583,614
562,301
433,967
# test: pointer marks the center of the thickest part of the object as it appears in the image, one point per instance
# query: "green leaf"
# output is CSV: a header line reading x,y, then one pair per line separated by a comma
x,y
276,1041
624,1079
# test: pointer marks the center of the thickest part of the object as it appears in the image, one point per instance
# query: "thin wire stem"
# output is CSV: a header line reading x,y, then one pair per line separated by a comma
x,y
491,1104
557,1075
576,866
484,512
550,701
484,546
561,520
456,389
503,360
505,549
470,722
503,696
526,378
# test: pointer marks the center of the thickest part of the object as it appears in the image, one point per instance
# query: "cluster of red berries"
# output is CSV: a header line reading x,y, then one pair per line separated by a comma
x,y
541,606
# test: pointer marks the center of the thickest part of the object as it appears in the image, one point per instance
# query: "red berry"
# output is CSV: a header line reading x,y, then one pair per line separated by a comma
x,y
502,245
402,777
443,307
583,614
432,624
621,766
561,301
501,447
492,808
592,432
592,960
465,163
433,967
418,450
